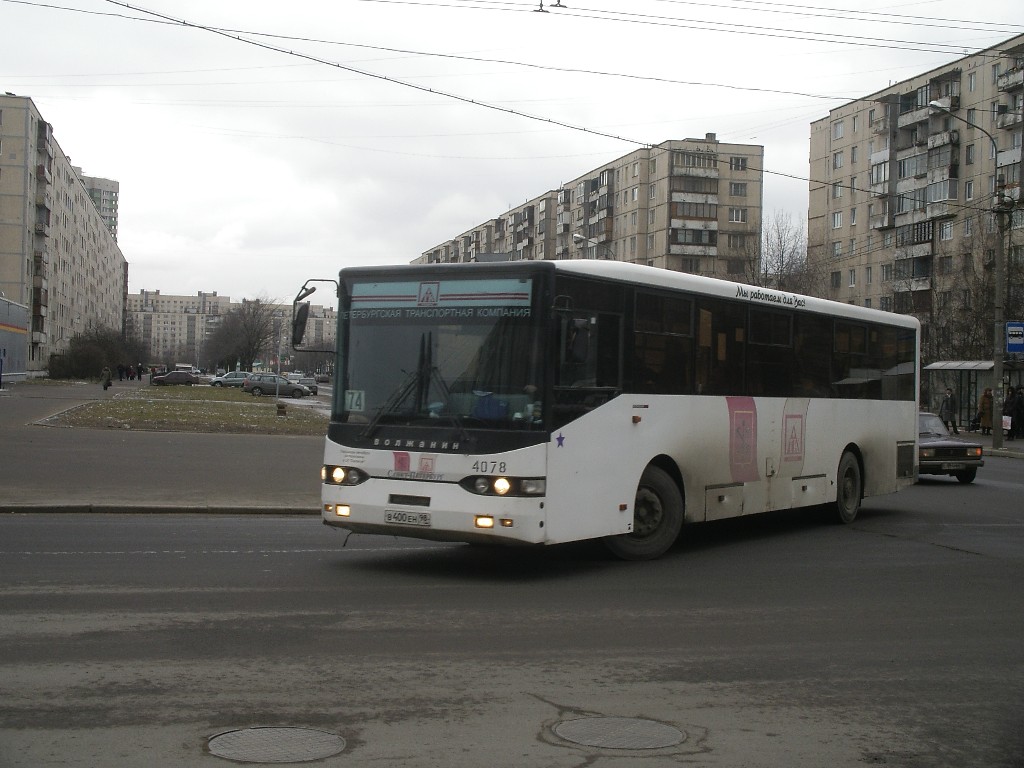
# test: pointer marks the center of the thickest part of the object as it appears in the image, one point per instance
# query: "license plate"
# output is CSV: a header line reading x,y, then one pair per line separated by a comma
x,y
953,465
399,517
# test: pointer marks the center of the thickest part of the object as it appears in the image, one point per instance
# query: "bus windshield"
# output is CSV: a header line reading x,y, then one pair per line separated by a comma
x,y
463,353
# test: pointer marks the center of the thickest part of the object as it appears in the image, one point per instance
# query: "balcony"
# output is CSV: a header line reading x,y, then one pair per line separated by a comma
x,y
1008,157
1008,119
880,221
881,125
700,173
941,210
43,174
693,250
915,116
1010,81
943,138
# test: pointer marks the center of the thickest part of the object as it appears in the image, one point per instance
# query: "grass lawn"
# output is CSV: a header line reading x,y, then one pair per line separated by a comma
x,y
199,409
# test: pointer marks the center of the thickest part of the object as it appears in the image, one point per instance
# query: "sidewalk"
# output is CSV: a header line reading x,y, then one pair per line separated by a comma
x,y
1013,449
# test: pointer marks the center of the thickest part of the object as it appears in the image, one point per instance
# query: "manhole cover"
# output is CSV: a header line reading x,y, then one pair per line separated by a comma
x,y
275,745
619,733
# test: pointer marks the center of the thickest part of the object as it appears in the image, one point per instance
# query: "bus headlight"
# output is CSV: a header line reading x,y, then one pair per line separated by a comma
x,y
485,485
333,475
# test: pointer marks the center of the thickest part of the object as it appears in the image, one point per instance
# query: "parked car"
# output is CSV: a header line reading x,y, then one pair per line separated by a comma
x,y
939,453
270,383
176,377
230,379
309,383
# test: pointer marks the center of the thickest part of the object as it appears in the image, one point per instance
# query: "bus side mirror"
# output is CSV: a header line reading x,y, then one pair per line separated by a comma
x,y
300,315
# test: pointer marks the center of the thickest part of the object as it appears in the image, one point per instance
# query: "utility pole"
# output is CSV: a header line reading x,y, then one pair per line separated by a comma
x,y
1002,209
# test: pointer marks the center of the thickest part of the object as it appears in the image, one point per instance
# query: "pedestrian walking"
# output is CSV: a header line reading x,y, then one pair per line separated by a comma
x,y
985,411
948,411
107,377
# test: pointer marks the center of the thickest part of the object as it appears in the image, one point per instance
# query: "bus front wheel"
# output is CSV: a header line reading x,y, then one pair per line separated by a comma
x,y
657,518
849,488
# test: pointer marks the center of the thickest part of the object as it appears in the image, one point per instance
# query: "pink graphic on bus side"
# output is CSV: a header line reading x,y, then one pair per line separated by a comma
x,y
743,439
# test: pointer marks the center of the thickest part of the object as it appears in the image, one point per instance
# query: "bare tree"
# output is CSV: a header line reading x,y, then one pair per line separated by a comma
x,y
244,335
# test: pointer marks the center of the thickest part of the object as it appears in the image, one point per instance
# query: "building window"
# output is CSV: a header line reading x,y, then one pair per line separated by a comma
x,y
946,230
738,215
854,155
886,273
867,303
837,160
972,81
837,190
737,189
971,114
853,278
652,191
968,227
969,155
837,250
837,219
856,123
837,129
737,241
737,163
650,216
836,278
636,169
969,190
853,216
885,303
867,275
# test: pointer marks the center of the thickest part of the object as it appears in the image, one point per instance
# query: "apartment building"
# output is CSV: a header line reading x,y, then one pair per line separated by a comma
x,y
903,183
176,328
690,205
104,194
57,256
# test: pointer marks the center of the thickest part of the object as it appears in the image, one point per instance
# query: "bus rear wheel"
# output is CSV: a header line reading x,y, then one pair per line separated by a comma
x,y
849,488
657,518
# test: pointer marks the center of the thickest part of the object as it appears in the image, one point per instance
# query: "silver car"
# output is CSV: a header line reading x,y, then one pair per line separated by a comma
x,y
270,384
230,379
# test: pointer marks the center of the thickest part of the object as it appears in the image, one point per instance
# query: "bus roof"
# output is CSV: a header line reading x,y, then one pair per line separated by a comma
x,y
656,277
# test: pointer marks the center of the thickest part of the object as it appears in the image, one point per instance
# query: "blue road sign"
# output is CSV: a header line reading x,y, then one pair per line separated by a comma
x,y
1014,337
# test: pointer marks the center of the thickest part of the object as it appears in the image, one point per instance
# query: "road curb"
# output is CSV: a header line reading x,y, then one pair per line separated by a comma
x,y
149,509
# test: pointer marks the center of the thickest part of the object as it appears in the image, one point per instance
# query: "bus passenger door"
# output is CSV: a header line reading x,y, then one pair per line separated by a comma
x,y
585,492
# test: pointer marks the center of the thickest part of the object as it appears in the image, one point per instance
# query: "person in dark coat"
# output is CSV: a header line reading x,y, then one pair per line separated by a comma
x,y
985,411
948,412
1010,407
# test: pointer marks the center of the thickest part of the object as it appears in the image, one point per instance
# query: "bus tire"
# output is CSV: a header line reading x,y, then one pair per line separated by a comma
x,y
657,518
849,488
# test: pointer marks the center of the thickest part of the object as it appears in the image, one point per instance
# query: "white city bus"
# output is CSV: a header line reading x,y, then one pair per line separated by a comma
x,y
554,401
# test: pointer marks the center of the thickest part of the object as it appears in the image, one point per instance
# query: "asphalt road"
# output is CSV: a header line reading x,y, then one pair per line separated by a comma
x,y
128,640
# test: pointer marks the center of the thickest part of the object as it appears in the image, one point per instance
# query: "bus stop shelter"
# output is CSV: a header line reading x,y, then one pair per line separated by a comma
x,y
968,379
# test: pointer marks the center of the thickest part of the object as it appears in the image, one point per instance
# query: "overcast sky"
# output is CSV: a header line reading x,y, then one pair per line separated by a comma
x,y
341,132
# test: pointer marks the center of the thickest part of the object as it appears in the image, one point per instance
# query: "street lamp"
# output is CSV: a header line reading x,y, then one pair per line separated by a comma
x,y
1000,208
587,242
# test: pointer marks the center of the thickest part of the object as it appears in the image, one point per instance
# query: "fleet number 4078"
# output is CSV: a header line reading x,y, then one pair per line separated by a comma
x,y
489,467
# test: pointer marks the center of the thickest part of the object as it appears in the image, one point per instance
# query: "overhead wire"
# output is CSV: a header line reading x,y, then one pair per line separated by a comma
x,y
237,35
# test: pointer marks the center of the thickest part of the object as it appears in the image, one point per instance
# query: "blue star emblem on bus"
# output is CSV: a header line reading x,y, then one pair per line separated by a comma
x,y
560,440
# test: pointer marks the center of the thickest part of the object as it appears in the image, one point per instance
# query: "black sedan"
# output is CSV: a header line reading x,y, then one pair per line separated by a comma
x,y
176,377
939,453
